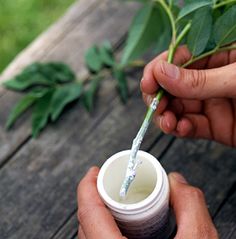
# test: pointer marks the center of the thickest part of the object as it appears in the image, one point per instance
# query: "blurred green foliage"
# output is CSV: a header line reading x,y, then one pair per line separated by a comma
x,y
21,21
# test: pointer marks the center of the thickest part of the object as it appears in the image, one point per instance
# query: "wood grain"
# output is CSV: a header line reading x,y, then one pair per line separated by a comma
x,y
70,49
225,220
207,165
45,172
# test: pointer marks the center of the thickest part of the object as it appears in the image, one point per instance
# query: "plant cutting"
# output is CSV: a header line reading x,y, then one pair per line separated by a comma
x,y
206,27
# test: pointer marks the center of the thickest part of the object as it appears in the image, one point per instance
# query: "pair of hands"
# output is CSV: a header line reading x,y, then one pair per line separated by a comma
x,y
192,217
201,104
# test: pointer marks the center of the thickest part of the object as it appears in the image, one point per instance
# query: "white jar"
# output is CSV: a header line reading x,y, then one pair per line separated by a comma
x,y
145,212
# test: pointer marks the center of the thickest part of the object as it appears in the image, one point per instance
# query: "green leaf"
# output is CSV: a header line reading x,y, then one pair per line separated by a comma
x,y
93,59
62,96
144,32
25,80
122,85
89,94
164,38
20,108
225,28
200,31
41,74
106,54
163,42
41,113
193,6
57,72
32,68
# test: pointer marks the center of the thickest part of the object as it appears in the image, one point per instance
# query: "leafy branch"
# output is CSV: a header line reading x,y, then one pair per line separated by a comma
x,y
205,26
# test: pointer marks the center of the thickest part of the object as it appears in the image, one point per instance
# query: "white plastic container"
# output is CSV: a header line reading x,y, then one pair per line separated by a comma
x,y
145,212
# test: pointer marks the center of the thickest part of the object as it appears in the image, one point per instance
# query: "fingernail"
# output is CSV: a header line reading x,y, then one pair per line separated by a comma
x,y
179,178
159,120
170,70
93,169
149,100
141,84
167,124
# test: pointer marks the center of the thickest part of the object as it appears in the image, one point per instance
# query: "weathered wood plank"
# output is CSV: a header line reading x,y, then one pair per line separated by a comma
x,y
82,34
225,220
207,165
69,229
49,39
52,165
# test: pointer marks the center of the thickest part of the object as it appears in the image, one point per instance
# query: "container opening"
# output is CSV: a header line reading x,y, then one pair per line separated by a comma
x,y
142,186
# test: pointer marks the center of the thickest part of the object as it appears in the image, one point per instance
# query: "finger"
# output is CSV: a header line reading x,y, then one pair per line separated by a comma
x,y
194,126
218,60
221,112
94,217
200,64
81,234
192,217
182,106
166,122
196,84
148,83
161,106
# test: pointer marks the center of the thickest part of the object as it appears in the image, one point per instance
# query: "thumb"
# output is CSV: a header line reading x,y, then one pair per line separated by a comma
x,y
196,84
192,217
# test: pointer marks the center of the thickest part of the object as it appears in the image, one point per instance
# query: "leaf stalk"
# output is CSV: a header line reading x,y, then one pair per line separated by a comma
x,y
221,4
209,53
171,18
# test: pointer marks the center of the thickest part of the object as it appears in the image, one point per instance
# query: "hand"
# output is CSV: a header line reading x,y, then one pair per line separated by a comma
x,y
95,219
192,216
203,102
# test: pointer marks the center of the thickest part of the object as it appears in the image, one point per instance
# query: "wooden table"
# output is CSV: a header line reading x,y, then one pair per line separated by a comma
x,y
38,178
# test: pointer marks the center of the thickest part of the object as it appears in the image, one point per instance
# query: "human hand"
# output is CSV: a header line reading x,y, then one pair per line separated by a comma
x,y
192,217
203,102
95,219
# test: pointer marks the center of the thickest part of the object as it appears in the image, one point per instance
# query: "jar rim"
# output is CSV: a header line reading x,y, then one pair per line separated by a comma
x,y
146,203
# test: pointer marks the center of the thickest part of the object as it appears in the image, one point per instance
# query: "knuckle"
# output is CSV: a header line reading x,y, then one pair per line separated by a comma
x,y
196,78
196,193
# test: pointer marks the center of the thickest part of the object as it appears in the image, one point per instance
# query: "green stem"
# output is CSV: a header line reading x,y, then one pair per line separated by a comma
x,y
173,47
221,4
171,4
171,52
182,34
171,18
209,53
102,74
